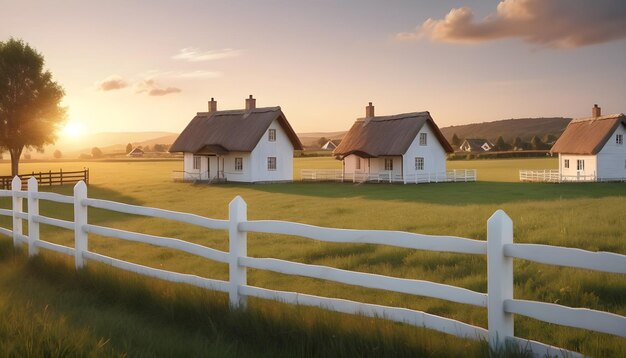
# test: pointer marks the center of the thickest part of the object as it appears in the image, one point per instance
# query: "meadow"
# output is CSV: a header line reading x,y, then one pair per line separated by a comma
x,y
105,312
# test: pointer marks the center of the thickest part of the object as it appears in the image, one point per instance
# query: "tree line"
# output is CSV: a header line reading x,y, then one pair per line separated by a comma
x,y
536,143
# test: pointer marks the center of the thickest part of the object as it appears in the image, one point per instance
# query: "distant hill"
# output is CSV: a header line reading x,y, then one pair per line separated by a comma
x,y
525,128
310,139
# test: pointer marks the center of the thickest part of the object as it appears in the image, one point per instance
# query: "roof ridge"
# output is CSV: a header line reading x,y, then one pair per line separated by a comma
x,y
607,116
240,111
395,116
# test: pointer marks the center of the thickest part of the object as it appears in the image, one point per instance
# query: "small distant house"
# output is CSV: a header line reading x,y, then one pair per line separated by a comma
x,y
243,145
593,148
400,147
331,144
476,145
136,153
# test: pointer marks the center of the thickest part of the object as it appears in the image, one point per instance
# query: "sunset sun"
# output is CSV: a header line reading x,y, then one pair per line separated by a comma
x,y
72,129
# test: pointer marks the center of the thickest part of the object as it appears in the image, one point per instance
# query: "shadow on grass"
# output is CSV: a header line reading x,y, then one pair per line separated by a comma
x,y
447,193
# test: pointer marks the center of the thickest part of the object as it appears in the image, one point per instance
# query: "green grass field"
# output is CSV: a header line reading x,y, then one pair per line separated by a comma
x,y
588,216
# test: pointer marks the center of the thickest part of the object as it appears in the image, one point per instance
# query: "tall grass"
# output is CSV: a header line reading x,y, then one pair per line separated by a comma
x,y
587,216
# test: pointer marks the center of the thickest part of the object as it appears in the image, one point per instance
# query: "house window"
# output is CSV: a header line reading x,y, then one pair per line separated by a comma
x,y
419,163
238,164
422,138
271,163
388,164
271,136
196,162
357,165
580,164
566,164
619,139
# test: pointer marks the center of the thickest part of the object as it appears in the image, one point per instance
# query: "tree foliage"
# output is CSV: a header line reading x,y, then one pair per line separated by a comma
x,y
30,110
456,141
537,143
57,154
96,152
501,145
322,141
129,148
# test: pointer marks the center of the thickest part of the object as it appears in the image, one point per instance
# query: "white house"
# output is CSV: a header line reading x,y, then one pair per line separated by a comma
x,y
245,145
404,147
136,152
476,145
593,148
331,144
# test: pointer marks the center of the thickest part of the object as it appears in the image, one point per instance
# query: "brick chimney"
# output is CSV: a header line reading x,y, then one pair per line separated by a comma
x,y
595,111
212,105
369,110
250,103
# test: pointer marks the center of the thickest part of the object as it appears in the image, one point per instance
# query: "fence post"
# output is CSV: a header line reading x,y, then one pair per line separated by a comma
x,y
33,210
499,278
16,185
237,212
80,219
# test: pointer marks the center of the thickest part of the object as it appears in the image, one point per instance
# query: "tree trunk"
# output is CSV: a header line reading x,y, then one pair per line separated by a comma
x,y
15,159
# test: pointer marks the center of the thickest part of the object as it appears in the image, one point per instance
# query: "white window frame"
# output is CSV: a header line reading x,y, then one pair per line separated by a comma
x,y
566,163
197,160
271,163
423,139
389,164
419,163
238,164
580,164
271,135
619,139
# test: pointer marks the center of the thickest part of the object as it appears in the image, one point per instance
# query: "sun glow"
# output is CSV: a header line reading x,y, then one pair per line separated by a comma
x,y
72,129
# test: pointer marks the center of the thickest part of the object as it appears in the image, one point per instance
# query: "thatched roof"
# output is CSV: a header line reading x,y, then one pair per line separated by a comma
x,y
221,132
387,135
588,135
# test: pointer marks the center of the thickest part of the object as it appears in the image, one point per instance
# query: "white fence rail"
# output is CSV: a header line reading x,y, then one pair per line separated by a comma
x,y
499,248
553,176
456,175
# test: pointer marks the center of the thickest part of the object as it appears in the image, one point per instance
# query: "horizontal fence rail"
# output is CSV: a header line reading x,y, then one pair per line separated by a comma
x,y
49,178
554,176
338,175
499,248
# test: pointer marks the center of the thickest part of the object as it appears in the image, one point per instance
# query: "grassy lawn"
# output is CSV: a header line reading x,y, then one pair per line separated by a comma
x,y
588,216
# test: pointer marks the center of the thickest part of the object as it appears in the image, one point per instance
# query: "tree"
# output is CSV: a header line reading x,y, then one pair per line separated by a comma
x,y
322,141
456,141
30,109
518,143
57,154
537,143
160,147
96,152
500,145
129,148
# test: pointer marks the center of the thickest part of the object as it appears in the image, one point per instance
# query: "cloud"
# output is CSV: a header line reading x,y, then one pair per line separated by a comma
x,y
198,74
193,54
111,83
152,88
551,23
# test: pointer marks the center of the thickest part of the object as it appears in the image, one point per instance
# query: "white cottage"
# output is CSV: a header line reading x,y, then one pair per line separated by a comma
x,y
475,145
245,145
593,148
406,147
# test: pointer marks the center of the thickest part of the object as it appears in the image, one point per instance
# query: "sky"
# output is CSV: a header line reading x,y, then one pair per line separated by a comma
x,y
151,65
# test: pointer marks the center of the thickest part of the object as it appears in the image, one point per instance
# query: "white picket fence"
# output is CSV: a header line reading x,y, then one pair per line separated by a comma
x,y
455,175
499,248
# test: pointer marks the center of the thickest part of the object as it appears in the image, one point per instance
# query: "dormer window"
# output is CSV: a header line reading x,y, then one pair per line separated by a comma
x,y
619,139
422,138
271,135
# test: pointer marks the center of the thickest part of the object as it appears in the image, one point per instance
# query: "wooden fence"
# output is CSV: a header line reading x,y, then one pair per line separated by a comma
x,y
49,178
499,248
